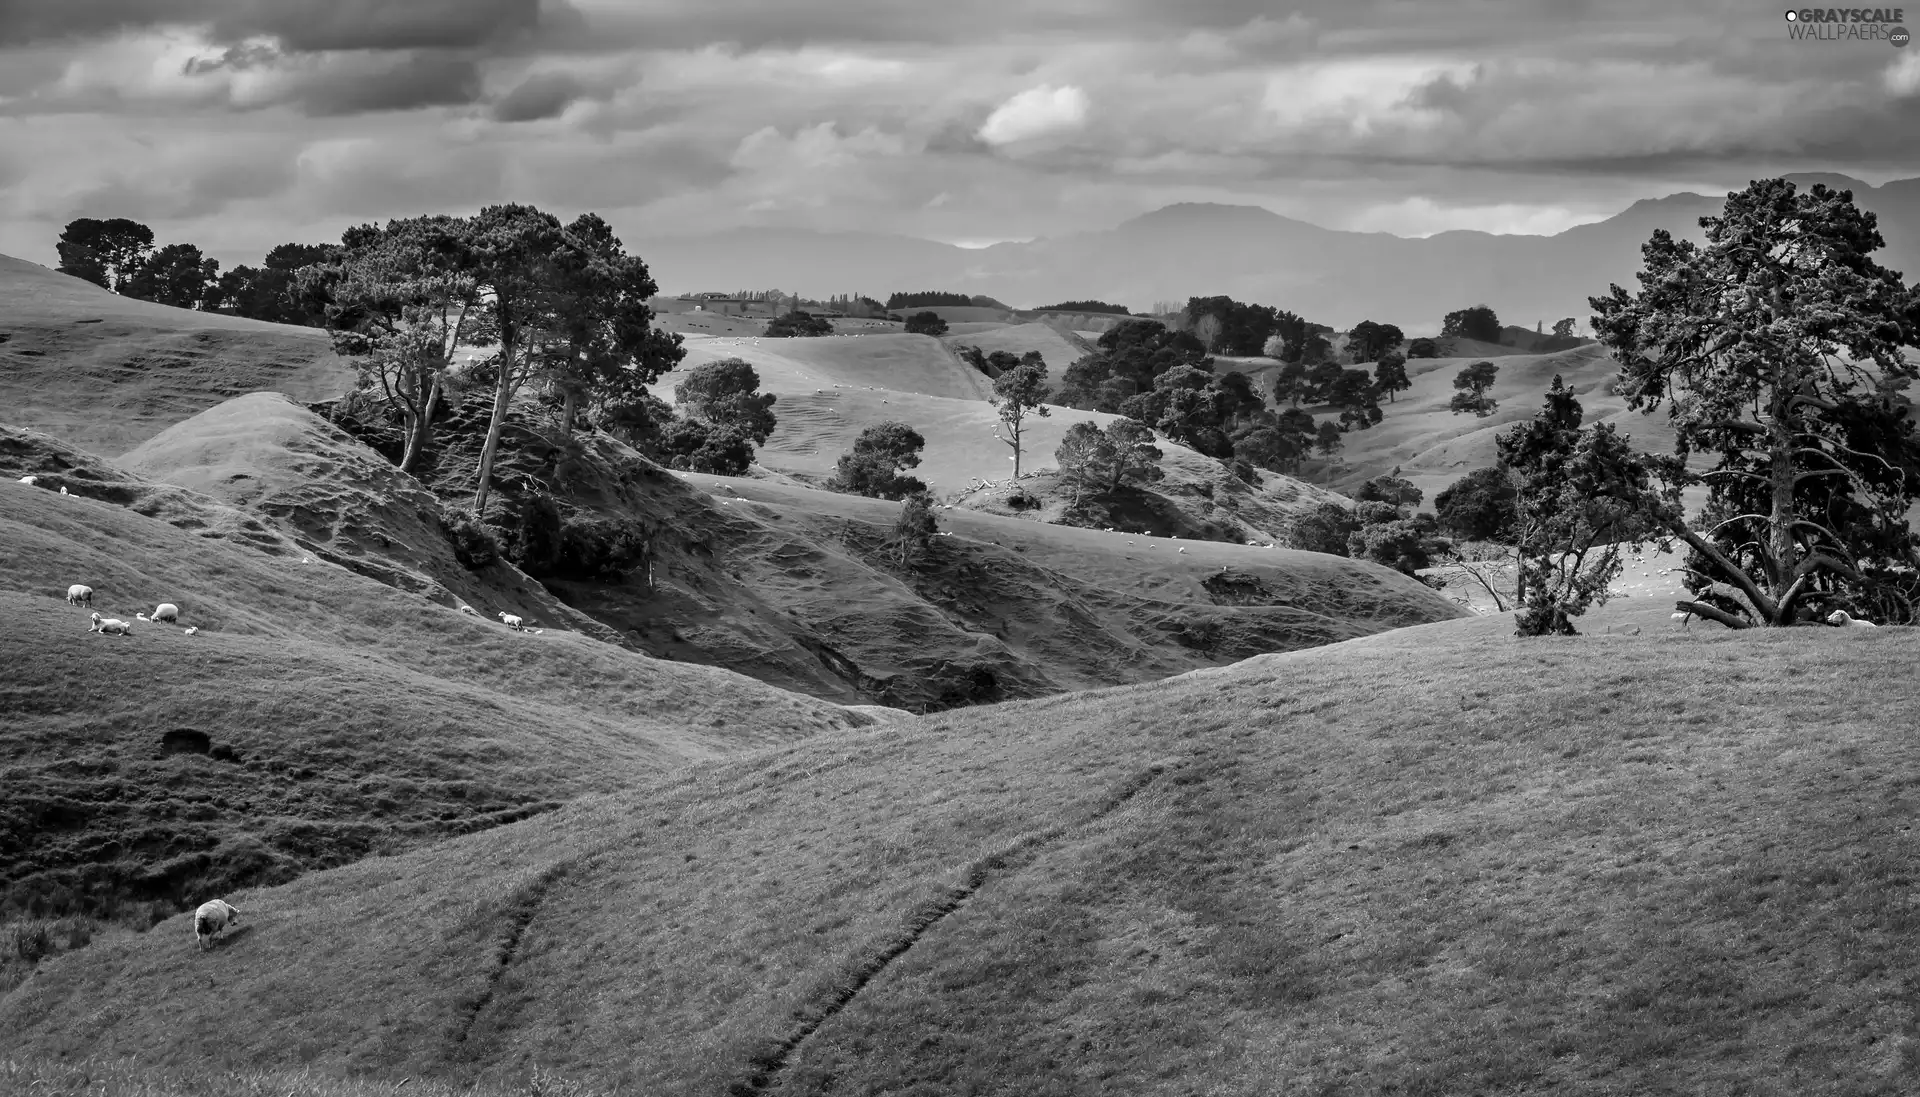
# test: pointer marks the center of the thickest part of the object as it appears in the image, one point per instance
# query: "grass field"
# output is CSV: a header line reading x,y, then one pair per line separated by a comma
x,y
363,717
1436,860
106,372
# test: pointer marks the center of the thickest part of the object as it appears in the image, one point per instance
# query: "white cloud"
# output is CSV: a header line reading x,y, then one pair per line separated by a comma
x,y
1422,216
1902,78
1363,94
1034,112
812,147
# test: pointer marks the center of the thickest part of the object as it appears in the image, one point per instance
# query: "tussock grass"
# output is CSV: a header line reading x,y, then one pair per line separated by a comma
x,y
1436,860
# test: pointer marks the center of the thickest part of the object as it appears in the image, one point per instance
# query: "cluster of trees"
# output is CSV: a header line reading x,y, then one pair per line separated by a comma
x,y
1103,460
856,305
1369,341
1086,306
923,298
1382,527
998,362
926,323
118,254
1164,378
1226,326
1476,322
1354,391
797,324
1423,348
563,305
874,466
1780,348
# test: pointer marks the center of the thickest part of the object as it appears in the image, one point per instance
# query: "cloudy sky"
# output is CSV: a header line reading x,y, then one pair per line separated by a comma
x,y
239,124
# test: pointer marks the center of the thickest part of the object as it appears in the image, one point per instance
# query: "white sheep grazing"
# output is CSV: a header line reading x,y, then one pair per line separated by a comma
x,y
107,625
468,610
78,595
28,480
1840,619
165,611
512,621
190,630
212,917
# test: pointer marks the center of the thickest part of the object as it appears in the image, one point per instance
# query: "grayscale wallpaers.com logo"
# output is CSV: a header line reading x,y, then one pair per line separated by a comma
x,y
1860,24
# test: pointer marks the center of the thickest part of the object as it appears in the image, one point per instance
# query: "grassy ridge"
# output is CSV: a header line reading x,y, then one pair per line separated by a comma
x,y
107,372
1438,863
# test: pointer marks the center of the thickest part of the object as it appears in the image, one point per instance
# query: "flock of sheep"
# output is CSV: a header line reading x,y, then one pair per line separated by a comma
x,y
80,594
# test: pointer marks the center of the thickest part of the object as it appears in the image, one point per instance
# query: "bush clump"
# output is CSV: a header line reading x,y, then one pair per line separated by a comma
x,y
475,544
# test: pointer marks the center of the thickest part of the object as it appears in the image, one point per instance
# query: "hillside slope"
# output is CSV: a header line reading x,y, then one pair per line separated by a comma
x,y
1434,861
393,718
341,501
106,372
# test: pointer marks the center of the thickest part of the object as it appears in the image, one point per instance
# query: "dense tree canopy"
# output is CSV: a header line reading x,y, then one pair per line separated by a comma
x,y
1423,348
1580,497
1390,374
1086,306
1479,506
1129,358
105,252
873,466
176,275
1240,329
1368,340
1473,382
797,324
1778,346
926,323
1478,322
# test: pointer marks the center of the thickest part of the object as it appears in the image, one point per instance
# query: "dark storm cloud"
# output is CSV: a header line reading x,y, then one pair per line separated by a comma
x,y
542,95
298,25
403,83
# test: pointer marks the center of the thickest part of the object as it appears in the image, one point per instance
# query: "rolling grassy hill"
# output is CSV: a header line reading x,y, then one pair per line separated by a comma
x,y
1436,860
106,372
363,717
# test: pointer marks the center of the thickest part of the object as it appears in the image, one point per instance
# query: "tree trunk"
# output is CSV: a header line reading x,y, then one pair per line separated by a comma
x,y
567,411
502,396
420,426
1779,568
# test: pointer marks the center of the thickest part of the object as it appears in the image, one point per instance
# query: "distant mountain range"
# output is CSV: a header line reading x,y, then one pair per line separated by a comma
x,y
1251,254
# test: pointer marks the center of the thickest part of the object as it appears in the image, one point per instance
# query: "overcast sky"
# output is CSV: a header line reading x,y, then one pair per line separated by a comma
x,y
239,124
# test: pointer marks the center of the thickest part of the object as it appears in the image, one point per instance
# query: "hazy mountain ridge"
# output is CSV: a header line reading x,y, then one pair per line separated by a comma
x,y
1253,254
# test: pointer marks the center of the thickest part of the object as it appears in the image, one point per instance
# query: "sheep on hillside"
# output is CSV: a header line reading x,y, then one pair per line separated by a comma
x,y
28,480
213,916
468,610
165,611
511,621
1839,618
78,595
190,630
106,625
